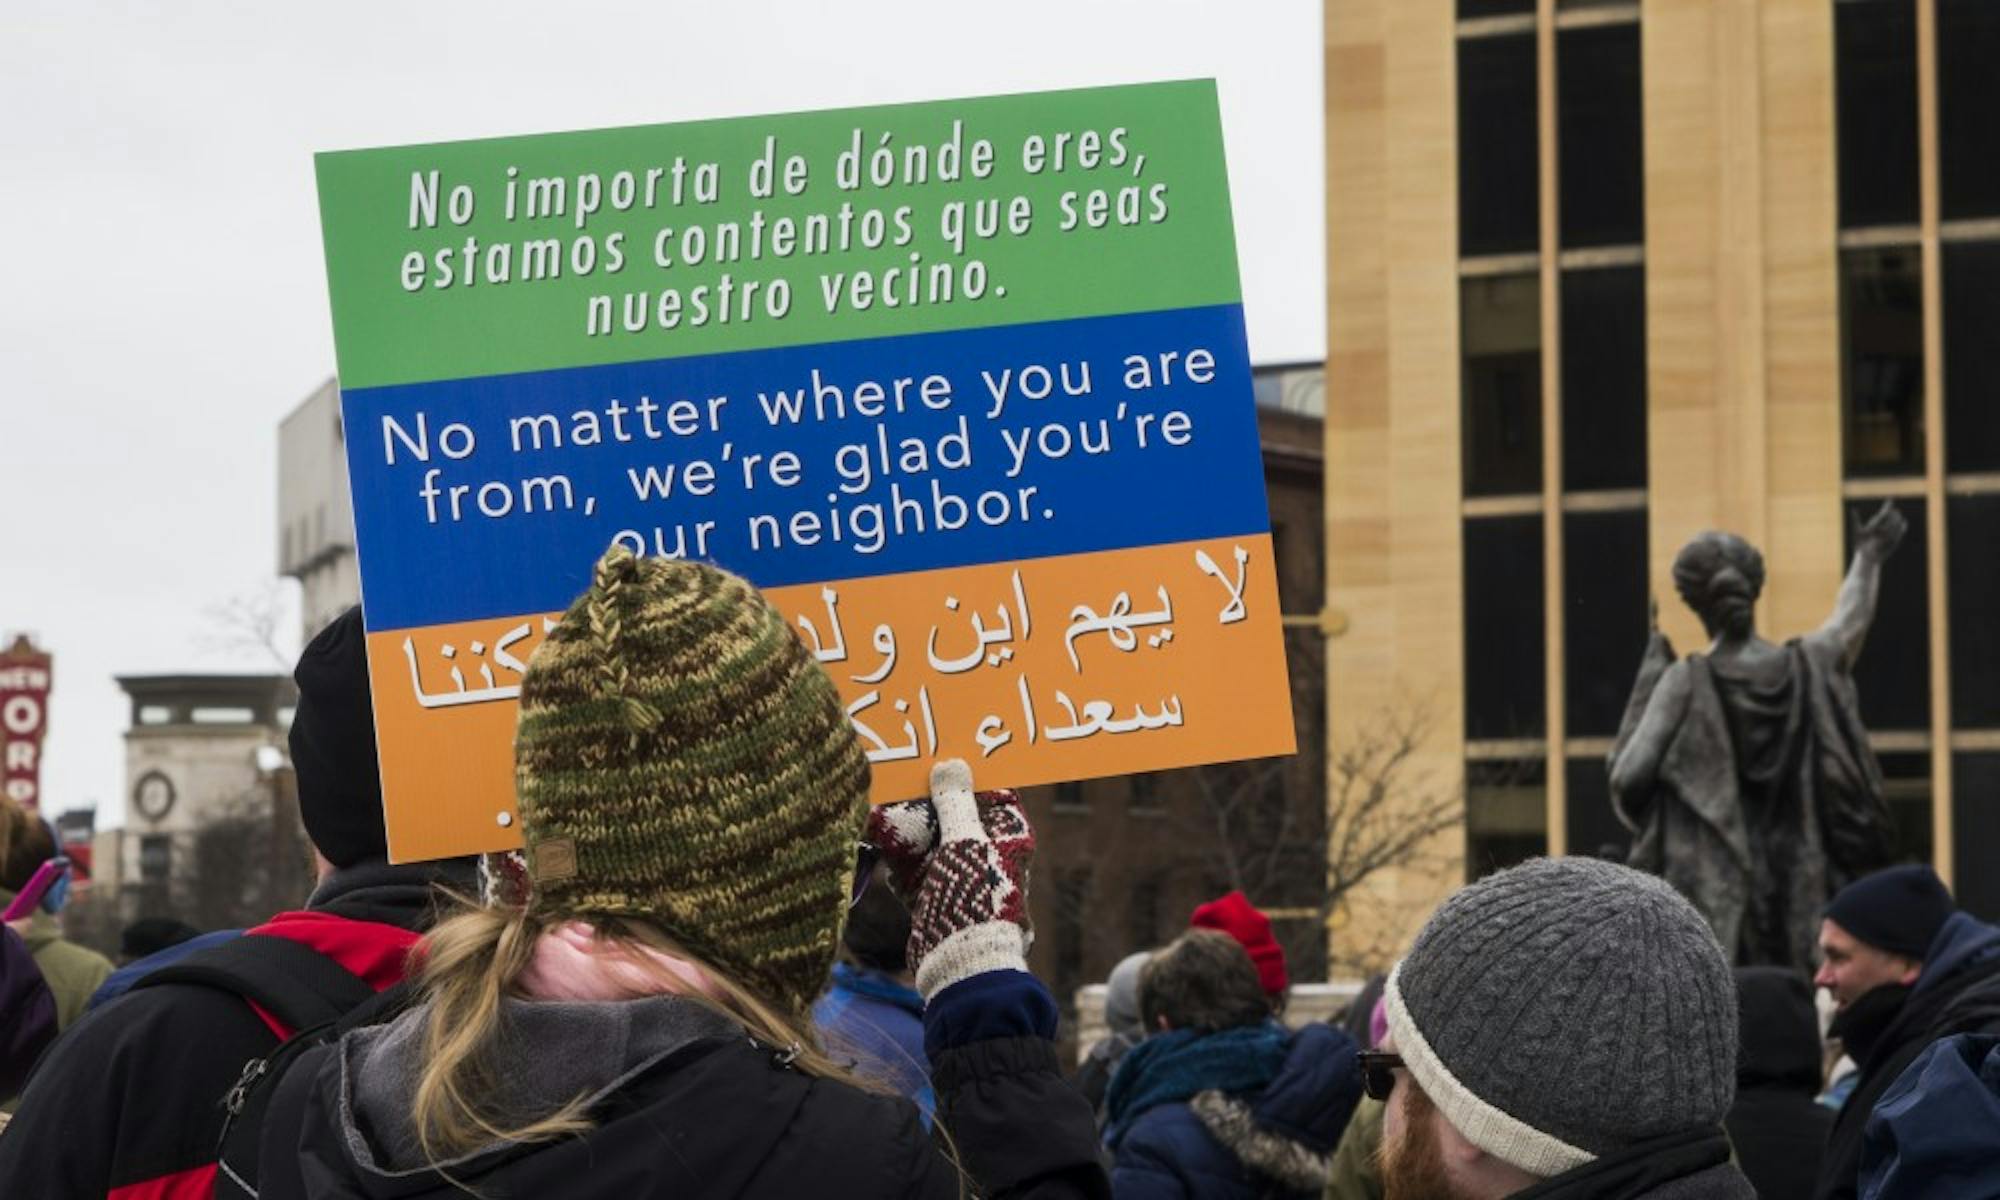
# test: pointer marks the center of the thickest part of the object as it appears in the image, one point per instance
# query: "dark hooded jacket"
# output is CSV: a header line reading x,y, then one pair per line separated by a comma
x,y
1778,1130
27,1013
1187,1125
128,1102
1936,1131
1885,1030
684,1104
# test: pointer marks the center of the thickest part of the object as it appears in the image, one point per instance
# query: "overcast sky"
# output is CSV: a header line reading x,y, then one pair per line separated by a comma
x,y
163,300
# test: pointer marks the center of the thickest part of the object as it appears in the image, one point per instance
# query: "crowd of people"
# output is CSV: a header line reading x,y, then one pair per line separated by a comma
x,y
714,970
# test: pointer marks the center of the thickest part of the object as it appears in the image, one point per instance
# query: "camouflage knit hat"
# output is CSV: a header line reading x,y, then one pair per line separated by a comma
x,y
682,759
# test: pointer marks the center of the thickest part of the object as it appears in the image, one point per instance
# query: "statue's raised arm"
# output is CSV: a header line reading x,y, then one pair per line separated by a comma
x,y
1854,610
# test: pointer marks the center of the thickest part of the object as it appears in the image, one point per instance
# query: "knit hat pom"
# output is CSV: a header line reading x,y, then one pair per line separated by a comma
x,y
613,585
1236,916
616,566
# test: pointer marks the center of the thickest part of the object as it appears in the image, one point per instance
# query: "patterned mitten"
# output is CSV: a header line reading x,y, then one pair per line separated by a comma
x,y
503,879
970,913
905,833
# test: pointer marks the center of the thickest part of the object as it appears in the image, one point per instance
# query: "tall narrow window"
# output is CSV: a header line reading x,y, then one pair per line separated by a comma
x,y
1506,814
1593,826
1604,378
1875,57
1504,633
1073,913
1975,819
1971,355
1604,622
1142,912
1882,334
1894,674
1497,186
1906,785
1598,127
1968,115
1972,527
1501,335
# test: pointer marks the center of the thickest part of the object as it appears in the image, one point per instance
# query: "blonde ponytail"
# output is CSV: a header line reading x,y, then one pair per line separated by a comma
x,y
473,959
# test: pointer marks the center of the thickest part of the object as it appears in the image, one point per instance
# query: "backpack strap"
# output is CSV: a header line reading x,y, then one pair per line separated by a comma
x,y
296,984
245,1106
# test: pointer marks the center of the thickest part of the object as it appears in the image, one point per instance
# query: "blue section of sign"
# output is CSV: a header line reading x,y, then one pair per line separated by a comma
x,y
899,479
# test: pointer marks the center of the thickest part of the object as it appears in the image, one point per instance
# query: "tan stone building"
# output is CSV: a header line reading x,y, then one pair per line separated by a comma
x,y
211,833
1603,275
315,513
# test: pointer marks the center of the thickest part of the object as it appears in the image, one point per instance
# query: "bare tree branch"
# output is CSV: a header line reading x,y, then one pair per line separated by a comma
x,y
250,625
1248,830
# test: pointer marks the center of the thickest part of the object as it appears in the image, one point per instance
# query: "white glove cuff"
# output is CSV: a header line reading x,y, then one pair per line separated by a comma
x,y
975,950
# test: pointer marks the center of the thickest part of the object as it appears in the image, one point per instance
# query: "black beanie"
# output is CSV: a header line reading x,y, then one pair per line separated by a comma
x,y
333,746
1899,910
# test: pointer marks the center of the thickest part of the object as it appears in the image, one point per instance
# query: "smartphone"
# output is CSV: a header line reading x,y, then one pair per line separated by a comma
x,y
47,888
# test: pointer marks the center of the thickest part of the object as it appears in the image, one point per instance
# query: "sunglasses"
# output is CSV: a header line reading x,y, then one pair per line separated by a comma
x,y
1378,1072
866,855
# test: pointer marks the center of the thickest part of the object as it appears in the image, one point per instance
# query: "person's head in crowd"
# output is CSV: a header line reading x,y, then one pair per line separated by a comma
x,y
691,795
1362,1019
26,842
1121,996
1778,1041
877,937
150,935
333,748
1876,931
1202,981
1547,1017
1236,916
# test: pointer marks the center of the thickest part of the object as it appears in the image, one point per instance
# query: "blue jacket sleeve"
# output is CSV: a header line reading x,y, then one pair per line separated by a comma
x,y
1144,1169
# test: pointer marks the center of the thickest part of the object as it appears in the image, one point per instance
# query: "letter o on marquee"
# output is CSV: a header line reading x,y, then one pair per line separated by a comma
x,y
22,715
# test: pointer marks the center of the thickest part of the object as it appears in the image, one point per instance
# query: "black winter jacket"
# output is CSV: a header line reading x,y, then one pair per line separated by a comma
x,y
1958,992
1778,1128
1693,1165
128,1100
27,1013
684,1105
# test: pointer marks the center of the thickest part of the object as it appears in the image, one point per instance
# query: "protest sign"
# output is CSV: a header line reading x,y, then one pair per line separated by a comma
x,y
963,386
24,720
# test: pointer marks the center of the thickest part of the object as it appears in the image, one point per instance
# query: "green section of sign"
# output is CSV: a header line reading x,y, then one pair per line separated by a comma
x,y
1082,203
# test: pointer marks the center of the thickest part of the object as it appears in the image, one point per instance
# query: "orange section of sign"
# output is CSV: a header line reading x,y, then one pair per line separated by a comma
x,y
1034,672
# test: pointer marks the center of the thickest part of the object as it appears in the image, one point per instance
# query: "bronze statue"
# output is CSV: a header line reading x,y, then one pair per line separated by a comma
x,y
1745,773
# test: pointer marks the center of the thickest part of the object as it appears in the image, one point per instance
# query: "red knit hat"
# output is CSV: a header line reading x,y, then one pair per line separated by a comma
x,y
1240,919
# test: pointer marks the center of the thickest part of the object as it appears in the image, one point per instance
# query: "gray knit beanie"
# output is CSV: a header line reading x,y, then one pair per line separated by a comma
x,y
1121,996
1566,1009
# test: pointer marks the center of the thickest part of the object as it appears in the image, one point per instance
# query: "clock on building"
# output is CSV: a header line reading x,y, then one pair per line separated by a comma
x,y
153,795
